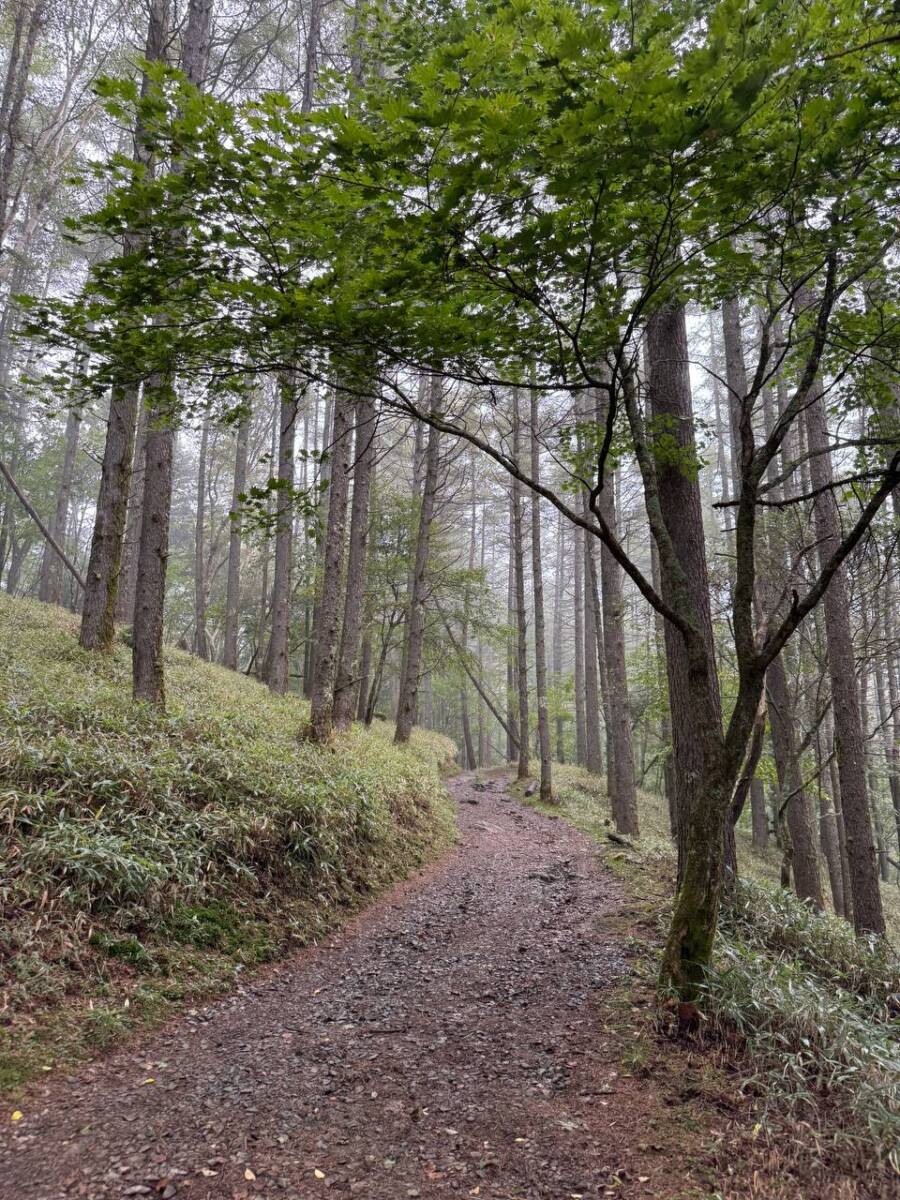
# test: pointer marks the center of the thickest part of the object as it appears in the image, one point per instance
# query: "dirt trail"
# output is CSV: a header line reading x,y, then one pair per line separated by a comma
x,y
447,1042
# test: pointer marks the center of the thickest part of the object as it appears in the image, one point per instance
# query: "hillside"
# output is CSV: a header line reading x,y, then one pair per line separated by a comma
x,y
149,859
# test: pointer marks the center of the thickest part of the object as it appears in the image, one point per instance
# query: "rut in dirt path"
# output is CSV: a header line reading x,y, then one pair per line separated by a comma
x,y
445,1043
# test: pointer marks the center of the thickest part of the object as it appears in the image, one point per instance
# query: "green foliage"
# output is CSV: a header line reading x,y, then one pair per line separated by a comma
x,y
816,1011
138,845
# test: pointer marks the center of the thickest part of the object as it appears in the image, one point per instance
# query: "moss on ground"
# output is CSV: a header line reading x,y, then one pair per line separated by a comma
x,y
150,859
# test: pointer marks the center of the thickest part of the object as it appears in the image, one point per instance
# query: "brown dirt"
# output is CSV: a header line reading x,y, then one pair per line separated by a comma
x,y
456,1039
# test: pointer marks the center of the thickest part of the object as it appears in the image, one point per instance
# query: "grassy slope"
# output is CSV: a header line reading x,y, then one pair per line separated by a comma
x,y
147,860
811,1011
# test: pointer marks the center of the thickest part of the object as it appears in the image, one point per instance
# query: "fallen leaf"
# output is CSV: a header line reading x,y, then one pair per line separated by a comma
x,y
149,1081
248,1174
207,1172
18,1115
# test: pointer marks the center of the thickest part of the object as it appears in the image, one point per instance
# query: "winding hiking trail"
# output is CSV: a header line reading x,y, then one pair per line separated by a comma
x,y
448,1041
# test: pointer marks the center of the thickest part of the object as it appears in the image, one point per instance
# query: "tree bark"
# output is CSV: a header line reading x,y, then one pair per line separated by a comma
x,y
364,451
201,641
153,549
105,561
321,712
518,550
162,406
407,708
867,911
540,648
276,670
233,587
622,789
679,494
50,582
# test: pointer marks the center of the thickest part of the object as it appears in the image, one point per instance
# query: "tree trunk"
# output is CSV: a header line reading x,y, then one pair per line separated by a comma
x,y
153,549
276,671
622,790
321,712
98,627
557,633
125,592
161,401
364,450
867,911
201,642
578,622
540,649
233,588
51,580
105,561
593,640
407,707
799,812
518,549
679,494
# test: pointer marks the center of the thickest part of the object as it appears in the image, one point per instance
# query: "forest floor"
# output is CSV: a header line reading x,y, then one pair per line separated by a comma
x,y
476,1032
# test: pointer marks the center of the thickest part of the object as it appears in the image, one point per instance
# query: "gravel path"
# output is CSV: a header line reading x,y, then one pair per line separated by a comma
x,y
444,1043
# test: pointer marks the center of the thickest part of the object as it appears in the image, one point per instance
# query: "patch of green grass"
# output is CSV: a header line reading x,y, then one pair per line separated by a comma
x,y
147,858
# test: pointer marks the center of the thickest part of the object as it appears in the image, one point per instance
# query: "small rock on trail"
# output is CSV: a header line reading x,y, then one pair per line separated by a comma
x,y
445,1043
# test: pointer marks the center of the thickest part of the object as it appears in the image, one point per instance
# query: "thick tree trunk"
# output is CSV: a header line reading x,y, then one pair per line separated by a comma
x,y
540,648
408,702
276,671
867,911
321,712
51,579
679,494
233,587
364,450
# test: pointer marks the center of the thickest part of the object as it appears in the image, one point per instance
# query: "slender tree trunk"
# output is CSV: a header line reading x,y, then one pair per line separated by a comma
x,y
523,764
346,680
407,708
321,713
153,549
593,641
233,588
51,579
622,790
540,648
799,812
277,663
125,592
161,401
578,623
105,561
867,911
102,577
201,642
557,633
